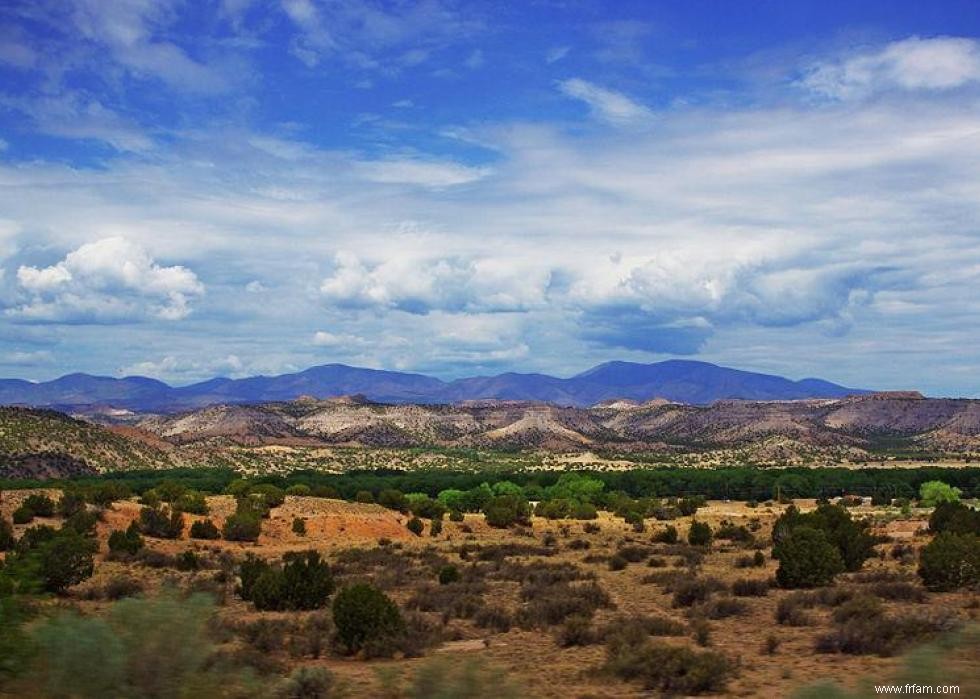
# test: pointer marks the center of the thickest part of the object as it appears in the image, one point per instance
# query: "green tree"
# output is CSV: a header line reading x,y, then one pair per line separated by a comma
x,y
416,526
506,510
931,493
129,541
699,534
161,522
363,614
950,561
807,559
6,535
244,525
204,529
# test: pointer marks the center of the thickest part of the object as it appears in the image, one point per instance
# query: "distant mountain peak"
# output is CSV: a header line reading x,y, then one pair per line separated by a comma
x,y
673,380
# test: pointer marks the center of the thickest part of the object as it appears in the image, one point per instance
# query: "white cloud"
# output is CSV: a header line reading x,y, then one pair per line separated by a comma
x,y
475,60
432,174
26,359
129,29
557,53
107,280
172,366
915,63
75,115
419,285
605,104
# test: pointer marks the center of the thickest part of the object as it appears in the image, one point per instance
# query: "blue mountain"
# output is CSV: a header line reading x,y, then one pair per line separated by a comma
x,y
698,383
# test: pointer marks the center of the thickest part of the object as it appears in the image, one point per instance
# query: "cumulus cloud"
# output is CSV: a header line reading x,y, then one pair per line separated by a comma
x,y
915,63
418,286
108,280
605,104
172,366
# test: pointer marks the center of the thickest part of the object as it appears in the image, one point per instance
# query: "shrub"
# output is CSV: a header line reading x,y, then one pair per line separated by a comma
x,y
204,529
83,522
303,581
191,501
270,495
954,517
591,528
702,631
6,535
899,591
551,604
690,591
416,526
860,607
365,497
495,618
750,588
435,527
456,516
806,559
634,554
699,534
448,574
576,631
64,560
161,522
668,669
23,515
71,502
309,683
667,536
506,510
126,542
40,505
187,560
689,506
791,610
104,494
121,586
244,525
756,560
879,499
870,632
364,616
950,561
249,572
719,608
617,562
299,526
299,490
730,532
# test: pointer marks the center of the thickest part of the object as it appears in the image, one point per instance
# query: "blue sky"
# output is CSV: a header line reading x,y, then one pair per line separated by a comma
x,y
235,187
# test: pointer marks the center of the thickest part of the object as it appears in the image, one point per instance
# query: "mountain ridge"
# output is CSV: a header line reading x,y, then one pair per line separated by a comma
x,y
682,381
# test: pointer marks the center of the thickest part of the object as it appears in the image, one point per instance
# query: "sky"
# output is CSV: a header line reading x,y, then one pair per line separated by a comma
x,y
193,188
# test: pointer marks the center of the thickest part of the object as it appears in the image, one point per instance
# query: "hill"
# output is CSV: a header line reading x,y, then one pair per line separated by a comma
x,y
45,443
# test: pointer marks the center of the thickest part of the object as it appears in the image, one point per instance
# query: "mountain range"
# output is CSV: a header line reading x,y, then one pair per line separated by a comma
x,y
681,381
